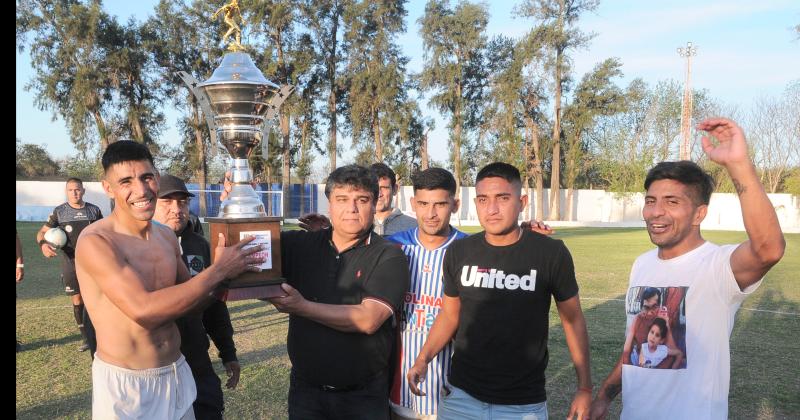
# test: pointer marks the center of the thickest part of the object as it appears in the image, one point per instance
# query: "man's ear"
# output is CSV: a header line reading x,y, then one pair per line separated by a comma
x,y
699,214
107,188
456,205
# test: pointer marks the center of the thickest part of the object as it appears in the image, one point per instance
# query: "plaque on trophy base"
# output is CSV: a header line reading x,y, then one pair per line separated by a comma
x,y
250,284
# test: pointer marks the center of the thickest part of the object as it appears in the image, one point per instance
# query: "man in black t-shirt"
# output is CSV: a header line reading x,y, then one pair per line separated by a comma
x,y
71,217
344,286
498,286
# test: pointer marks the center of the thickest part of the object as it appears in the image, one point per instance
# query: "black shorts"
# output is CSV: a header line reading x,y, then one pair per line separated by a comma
x,y
69,277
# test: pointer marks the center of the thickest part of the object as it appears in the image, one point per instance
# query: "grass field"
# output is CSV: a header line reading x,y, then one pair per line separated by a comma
x,y
53,378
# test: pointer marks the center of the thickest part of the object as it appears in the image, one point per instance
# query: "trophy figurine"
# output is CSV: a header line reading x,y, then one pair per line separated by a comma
x,y
239,105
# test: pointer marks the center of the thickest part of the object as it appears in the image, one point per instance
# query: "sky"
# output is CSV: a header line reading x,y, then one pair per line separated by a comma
x,y
745,50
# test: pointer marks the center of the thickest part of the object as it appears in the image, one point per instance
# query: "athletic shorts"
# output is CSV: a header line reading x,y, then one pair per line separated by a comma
x,y
69,277
160,393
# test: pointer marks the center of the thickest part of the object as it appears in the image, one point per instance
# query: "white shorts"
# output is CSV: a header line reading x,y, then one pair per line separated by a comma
x,y
159,393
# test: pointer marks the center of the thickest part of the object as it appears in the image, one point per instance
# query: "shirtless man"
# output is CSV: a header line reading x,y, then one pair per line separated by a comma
x,y
134,285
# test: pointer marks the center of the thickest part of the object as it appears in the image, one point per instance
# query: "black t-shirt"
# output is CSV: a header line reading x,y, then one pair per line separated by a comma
x,y
373,268
500,348
214,320
72,221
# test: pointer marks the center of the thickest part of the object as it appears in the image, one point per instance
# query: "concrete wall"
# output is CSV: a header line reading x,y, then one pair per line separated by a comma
x,y
35,200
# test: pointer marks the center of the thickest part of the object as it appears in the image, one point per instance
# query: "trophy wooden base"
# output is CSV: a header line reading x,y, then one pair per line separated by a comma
x,y
251,285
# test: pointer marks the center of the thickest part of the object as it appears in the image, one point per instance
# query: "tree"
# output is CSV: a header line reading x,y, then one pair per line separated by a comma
x,y
34,161
774,134
288,59
70,65
375,69
557,33
134,79
323,18
454,40
623,150
595,95
182,38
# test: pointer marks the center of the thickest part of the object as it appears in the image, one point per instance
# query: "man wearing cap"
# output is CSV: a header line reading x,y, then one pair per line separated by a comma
x,y
172,210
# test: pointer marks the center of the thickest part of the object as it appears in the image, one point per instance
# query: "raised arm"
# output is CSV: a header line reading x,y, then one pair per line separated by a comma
x,y
578,343
124,286
765,244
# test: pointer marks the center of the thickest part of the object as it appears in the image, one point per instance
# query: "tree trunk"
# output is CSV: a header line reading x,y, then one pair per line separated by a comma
x,y
286,174
202,168
555,174
423,152
332,95
376,133
457,145
101,129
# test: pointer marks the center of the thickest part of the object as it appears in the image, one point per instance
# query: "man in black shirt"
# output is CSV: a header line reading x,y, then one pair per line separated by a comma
x,y
497,291
172,209
71,217
344,286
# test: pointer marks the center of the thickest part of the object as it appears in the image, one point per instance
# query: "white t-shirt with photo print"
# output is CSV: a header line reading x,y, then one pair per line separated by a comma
x,y
700,391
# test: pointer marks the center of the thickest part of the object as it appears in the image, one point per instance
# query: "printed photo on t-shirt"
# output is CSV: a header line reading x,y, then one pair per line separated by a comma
x,y
656,335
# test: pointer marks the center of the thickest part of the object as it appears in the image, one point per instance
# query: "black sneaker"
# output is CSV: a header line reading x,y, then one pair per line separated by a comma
x,y
83,347
19,346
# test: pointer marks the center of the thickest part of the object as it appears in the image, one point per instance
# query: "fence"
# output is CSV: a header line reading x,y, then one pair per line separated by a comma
x,y
35,201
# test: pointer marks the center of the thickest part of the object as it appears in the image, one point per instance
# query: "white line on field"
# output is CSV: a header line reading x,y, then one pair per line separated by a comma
x,y
746,309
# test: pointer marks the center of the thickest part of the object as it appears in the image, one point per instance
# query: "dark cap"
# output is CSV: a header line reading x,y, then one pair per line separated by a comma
x,y
169,184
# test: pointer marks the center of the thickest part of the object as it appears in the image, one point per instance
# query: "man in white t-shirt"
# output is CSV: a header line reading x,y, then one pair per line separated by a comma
x,y
700,285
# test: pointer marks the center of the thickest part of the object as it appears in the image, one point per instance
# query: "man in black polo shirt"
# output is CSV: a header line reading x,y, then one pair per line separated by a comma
x,y
344,286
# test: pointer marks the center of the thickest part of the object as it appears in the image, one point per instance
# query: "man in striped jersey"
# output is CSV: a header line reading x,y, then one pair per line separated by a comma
x,y
433,203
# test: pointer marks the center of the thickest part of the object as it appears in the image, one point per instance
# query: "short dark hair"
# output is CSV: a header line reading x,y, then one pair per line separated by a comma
x,y
688,173
434,179
650,292
355,176
382,170
75,180
125,151
499,170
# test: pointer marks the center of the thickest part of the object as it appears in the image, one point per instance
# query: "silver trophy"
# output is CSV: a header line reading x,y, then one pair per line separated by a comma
x,y
239,105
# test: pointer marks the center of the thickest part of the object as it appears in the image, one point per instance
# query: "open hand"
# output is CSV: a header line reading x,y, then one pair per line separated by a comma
x,y
732,147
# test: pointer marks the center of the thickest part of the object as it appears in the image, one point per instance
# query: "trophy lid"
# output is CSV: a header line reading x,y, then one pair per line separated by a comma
x,y
237,67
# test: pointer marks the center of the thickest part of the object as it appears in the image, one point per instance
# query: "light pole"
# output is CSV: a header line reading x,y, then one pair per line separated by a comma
x,y
686,109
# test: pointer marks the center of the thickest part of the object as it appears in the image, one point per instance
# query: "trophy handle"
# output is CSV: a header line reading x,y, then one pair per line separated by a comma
x,y
205,105
274,104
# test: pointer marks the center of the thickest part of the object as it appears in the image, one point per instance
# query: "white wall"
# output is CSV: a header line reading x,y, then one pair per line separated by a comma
x,y
36,199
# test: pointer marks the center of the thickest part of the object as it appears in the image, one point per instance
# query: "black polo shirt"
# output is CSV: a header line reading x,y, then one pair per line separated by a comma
x,y
372,268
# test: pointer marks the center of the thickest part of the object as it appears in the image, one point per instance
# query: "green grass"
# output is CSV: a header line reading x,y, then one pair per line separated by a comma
x,y
54,380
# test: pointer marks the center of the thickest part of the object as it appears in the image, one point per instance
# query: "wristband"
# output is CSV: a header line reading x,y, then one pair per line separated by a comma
x,y
585,389
20,265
